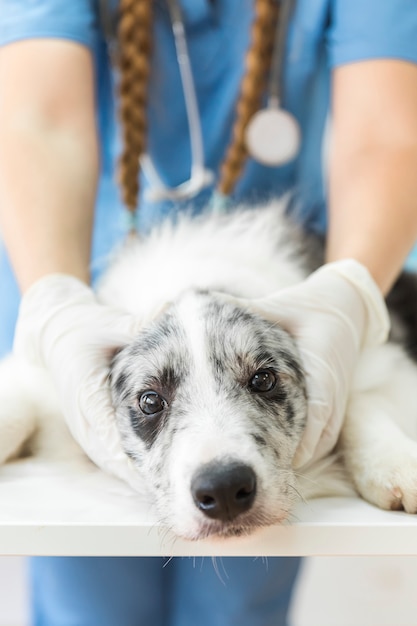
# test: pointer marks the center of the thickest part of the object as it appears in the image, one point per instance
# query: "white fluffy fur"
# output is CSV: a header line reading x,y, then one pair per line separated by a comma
x,y
250,256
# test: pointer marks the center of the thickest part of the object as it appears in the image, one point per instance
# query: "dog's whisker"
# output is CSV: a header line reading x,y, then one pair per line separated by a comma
x,y
216,568
308,479
298,493
290,518
266,563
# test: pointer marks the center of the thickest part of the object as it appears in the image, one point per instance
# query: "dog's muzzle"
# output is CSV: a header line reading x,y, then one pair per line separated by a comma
x,y
223,492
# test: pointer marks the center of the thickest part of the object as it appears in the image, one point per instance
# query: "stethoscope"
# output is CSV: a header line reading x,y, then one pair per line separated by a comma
x,y
273,135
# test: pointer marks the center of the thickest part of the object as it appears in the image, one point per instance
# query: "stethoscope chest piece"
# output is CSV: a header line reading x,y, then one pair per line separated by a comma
x,y
273,136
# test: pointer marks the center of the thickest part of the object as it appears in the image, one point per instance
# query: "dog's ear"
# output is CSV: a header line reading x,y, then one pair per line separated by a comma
x,y
113,352
112,355
160,310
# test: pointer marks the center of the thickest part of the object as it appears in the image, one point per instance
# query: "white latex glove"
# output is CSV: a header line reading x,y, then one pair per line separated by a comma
x,y
332,315
62,327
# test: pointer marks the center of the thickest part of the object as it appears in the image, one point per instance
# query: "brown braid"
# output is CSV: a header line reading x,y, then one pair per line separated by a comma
x,y
134,52
257,65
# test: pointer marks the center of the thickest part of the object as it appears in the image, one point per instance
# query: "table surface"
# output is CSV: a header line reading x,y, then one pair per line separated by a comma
x,y
59,509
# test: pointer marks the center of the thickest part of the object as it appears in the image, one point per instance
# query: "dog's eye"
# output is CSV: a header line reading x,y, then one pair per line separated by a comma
x,y
152,403
262,381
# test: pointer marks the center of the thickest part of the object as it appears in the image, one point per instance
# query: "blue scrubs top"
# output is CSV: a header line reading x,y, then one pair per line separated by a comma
x,y
322,34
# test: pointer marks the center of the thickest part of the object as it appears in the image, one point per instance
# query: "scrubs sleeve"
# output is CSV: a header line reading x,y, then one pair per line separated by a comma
x,y
370,29
75,20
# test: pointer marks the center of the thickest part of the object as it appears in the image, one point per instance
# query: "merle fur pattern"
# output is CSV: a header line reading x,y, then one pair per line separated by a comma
x,y
186,389
211,416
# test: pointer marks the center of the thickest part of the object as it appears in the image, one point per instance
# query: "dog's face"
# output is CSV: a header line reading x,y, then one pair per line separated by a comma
x,y
211,404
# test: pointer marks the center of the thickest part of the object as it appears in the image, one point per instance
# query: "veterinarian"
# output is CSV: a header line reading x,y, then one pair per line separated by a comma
x,y
61,214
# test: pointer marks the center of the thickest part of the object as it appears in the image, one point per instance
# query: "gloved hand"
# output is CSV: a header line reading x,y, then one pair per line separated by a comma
x,y
62,327
332,315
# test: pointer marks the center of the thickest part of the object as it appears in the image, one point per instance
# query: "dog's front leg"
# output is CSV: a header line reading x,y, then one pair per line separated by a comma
x,y
379,456
20,387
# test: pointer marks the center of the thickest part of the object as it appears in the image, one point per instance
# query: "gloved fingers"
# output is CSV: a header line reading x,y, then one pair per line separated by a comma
x,y
359,278
41,307
327,441
305,313
344,289
325,379
62,327
99,436
113,329
312,446
60,306
278,310
326,395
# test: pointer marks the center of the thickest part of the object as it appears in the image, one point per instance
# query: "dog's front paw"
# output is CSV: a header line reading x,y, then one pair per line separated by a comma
x,y
21,387
390,481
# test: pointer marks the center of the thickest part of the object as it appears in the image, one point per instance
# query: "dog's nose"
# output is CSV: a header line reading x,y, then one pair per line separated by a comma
x,y
223,492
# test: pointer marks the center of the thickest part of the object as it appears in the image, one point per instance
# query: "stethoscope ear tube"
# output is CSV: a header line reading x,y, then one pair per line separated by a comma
x,y
157,191
277,64
201,177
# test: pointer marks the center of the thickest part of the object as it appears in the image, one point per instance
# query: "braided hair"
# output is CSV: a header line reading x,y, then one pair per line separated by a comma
x,y
257,66
135,45
134,58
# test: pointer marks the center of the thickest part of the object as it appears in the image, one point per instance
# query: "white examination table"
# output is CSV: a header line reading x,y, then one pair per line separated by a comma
x,y
52,509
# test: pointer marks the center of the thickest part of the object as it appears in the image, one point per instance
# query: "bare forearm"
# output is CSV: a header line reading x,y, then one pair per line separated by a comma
x,y
373,166
47,189
373,210
48,159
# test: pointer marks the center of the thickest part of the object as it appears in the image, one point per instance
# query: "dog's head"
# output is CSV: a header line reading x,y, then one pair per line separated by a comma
x,y
211,404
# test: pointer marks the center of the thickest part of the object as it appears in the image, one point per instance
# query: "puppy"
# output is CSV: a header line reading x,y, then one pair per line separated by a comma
x,y
211,399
